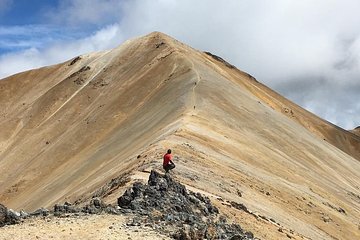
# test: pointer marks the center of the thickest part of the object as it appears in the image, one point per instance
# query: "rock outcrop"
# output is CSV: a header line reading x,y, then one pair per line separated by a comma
x,y
166,205
8,216
163,204
95,206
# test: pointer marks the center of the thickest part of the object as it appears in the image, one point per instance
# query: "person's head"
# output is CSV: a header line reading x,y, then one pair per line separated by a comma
x,y
169,151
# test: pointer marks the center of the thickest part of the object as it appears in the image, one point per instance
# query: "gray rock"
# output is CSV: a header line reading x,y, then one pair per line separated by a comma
x,y
65,208
8,216
91,210
23,214
239,206
237,237
125,200
13,217
112,210
167,206
249,235
59,208
97,202
40,212
3,215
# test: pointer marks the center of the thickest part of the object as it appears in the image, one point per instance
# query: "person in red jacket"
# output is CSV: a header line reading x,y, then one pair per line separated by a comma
x,y
167,163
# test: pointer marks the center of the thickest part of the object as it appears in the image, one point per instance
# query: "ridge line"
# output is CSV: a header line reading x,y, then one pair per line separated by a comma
x,y
196,83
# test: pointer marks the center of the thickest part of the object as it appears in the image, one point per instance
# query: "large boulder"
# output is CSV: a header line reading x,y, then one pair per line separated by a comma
x,y
171,209
8,216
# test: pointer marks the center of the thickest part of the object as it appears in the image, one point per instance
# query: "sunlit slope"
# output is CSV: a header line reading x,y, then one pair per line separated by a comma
x,y
70,128
75,125
344,140
238,141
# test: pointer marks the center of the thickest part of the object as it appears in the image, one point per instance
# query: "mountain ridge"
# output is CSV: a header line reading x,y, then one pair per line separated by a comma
x,y
103,115
316,126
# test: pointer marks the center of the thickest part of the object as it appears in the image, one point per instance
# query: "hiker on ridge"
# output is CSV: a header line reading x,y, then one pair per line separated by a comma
x,y
167,163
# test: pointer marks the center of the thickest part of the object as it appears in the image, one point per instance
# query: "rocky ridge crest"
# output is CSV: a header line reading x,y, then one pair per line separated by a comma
x,y
163,204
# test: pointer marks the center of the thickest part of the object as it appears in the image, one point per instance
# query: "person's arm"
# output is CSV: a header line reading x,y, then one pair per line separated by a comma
x,y
171,160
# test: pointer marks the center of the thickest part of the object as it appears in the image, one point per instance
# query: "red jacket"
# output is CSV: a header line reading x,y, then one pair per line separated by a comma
x,y
167,159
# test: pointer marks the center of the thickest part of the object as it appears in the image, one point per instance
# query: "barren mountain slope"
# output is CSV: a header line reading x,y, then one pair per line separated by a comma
x,y
342,139
78,124
356,131
69,129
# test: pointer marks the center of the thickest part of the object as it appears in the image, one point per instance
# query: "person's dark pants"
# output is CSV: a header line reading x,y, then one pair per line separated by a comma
x,y
169,167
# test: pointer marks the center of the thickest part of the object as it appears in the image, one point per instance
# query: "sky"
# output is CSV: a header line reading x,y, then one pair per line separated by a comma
x,y
308,51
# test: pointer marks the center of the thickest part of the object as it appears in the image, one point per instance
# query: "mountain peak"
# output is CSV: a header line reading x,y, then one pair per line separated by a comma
x,y
70,131
158,35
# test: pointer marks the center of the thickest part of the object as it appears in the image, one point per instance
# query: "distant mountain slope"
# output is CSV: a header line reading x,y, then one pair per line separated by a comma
x,y
342,139
356,131
70,128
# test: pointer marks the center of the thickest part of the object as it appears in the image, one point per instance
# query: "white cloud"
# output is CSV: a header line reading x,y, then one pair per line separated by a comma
x,y
279,42
15,62
26,30
307,50
60,51
23,37
78,12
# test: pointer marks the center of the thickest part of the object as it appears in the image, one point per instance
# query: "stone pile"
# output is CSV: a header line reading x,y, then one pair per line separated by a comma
x,y
168,207
163,205
8,216
95,206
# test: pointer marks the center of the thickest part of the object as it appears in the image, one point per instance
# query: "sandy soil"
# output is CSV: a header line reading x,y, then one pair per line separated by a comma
x,y
86,227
